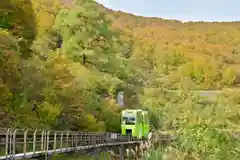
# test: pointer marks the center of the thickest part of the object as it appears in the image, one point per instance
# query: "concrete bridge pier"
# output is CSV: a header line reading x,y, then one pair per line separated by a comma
x,y
96,155
121,152
118,152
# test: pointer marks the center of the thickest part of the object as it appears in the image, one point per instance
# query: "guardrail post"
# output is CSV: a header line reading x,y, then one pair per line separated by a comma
x,y
34,142
93,141
47,145
55,142
10,143
67,140
121,152
14,143
7,143
42,141
25,143
61,141
101,139
129,138
72,137
88,137
76,141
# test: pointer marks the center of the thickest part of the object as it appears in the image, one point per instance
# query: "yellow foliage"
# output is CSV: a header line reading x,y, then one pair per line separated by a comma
x,y
45,12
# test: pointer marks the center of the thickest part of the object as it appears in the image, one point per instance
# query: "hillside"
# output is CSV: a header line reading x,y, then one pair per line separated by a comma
x,y
189,56
192,55
203,54
43,87
62,65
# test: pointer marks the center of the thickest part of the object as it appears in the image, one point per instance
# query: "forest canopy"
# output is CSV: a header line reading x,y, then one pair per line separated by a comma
x,y
63,62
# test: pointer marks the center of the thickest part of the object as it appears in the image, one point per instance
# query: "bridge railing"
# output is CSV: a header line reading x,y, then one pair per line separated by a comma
x,y
24,143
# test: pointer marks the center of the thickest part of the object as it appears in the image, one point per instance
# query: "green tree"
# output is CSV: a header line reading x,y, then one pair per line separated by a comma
x,y
229,76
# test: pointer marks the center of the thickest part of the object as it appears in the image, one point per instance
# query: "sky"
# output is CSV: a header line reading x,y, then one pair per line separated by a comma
x,y
184,10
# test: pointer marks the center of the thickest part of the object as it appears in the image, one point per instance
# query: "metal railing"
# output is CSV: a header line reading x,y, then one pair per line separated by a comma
x,y
24,143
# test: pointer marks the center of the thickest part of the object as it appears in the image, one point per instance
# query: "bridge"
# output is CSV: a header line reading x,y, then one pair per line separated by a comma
x,y
28,143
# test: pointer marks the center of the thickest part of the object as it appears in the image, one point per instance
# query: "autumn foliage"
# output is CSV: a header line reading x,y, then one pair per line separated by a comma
x,y
62,64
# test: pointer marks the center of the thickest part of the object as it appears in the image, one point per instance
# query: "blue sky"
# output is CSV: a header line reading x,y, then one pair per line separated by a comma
x,y
185,10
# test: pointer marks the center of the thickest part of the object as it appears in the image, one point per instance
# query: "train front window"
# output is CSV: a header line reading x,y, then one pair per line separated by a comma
x,y
129,120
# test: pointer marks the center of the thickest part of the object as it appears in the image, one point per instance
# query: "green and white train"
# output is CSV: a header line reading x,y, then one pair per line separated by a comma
x,y
135,122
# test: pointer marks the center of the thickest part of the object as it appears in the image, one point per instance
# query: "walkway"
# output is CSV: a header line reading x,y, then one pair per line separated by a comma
x,y
20,143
